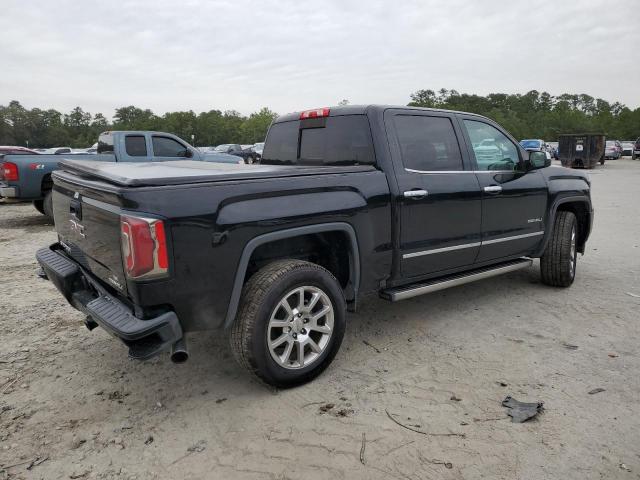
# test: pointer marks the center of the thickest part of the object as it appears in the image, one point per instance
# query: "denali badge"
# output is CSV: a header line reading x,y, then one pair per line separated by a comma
x,y
534,220
76,227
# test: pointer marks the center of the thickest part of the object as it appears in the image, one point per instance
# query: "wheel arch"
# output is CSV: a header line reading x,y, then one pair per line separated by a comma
x,y
46,184
351,286
580,206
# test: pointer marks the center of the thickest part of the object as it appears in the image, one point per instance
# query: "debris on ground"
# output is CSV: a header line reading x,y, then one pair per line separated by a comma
x,y
569,346
596,390
624,467
198,447
521,411
632,295
117,441
343,412
37,461
362,448
455,399
82,474
421,432
220,400
326,407
149,440
372,346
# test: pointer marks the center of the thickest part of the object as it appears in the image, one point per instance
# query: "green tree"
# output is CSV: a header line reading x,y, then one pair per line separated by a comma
x,y
254,129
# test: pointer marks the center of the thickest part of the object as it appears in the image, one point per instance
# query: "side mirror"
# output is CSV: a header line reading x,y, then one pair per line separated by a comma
x,y
188,153
538,160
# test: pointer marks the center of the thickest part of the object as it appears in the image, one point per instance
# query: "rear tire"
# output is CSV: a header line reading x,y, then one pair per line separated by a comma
x,y
47,205
39,206
283,305
558,263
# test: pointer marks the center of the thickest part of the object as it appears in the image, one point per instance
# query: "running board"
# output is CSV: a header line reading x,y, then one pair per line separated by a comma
x,y
402,293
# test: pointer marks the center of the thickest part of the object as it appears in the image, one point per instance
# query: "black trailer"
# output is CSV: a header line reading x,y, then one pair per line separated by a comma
x,y
581,150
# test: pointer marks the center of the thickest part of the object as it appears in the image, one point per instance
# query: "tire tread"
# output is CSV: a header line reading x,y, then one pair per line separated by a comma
x,y
555,260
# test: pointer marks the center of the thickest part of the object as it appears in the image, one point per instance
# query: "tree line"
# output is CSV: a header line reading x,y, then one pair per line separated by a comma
x,y
540,115
50,128
529,115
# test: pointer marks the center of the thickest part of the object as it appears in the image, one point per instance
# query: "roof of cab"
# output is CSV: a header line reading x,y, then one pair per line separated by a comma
x,y
363,110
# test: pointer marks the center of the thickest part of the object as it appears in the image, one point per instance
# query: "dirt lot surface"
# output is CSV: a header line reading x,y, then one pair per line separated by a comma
x,y
73,406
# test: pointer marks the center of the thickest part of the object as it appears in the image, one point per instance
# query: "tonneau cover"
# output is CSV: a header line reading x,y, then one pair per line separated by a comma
x,y
181,172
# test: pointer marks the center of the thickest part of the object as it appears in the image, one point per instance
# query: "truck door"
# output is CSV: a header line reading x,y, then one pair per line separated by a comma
x,y
513,201
439,196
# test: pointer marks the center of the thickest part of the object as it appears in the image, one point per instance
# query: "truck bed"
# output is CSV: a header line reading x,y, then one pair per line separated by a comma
x,y
188,172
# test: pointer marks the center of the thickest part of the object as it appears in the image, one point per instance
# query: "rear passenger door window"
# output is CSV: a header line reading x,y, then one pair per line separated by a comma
x,y
428,144
135,145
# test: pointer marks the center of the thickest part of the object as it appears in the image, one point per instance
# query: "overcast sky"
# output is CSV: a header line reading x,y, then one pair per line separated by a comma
x,y
291,55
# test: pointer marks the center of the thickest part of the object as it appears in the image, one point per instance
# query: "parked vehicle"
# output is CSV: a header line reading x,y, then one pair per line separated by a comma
x,y
611,150
536,145
247,154
57,150
636,149
348,201
28,178
627,149
9,150
258,148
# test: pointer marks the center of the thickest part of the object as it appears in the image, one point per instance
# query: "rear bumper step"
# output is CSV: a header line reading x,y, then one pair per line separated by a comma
x,y
145,338
414,290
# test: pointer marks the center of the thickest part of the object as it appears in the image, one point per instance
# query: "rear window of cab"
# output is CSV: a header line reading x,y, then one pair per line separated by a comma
x,y
339,140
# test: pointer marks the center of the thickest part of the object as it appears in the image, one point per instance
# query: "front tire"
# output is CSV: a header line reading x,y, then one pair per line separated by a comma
x,y
558,263
290,324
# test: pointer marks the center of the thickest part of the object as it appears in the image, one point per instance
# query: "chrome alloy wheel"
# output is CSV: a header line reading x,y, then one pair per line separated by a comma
x,y
300,327
572,254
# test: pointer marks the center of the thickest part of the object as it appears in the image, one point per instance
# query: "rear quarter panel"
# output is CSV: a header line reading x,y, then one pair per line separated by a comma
x,y
32,169
198,216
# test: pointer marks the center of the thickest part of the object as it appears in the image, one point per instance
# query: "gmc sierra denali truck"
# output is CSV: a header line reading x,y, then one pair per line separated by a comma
x,y
28,177
347,201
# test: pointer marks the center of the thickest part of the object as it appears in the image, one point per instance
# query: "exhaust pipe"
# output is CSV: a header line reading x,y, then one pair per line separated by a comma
x,y
179,352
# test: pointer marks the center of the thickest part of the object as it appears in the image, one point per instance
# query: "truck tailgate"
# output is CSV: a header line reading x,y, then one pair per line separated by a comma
x,y
88,227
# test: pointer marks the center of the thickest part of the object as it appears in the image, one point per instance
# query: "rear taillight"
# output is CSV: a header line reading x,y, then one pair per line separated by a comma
x,y
9,172
144,247
316,113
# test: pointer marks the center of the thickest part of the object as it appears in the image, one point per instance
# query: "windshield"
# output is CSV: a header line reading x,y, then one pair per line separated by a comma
x,y
611,143
530,143
222,148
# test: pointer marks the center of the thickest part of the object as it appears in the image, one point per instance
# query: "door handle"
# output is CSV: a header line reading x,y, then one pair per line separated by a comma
x,y
415,194
493,189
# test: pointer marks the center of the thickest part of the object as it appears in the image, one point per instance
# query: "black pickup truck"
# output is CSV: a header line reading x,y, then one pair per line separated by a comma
x,y
348,201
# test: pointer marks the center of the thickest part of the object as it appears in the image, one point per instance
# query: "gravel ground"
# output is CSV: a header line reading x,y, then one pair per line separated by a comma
x,y
73,406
